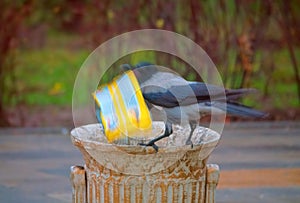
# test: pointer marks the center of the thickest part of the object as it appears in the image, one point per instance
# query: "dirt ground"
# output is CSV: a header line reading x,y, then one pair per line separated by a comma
x,y
48,116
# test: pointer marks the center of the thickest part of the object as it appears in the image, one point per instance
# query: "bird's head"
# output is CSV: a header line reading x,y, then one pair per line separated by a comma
x,y
126,67
143,64
142,70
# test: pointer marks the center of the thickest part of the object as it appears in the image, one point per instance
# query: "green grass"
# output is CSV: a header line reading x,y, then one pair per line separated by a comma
x,y
46,76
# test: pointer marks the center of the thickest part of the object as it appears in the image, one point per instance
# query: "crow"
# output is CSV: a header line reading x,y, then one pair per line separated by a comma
x,y
186,101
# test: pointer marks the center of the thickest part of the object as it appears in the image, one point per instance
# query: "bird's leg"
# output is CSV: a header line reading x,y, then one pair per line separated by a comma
x,y
193,126
167,133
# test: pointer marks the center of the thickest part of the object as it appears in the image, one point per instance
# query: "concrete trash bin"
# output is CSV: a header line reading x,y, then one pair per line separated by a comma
x,y
133,173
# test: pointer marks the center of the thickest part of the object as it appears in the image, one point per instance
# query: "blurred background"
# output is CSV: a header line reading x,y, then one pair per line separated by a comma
x,y
253,43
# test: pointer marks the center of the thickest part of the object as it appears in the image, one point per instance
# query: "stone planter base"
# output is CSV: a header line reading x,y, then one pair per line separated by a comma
x,y
128,191
135,174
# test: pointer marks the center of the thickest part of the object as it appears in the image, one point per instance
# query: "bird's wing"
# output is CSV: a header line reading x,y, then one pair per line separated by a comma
x,y
170,86
167,89
170,90
182,95
187,93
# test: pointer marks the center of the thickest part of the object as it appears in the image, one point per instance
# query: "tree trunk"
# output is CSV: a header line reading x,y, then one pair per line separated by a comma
x,y
285,24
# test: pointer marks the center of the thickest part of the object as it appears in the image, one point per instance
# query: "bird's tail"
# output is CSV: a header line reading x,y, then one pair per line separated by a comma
x,y
237,109
232,94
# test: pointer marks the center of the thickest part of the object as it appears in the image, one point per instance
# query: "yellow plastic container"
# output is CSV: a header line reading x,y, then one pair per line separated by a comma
x,y
123,110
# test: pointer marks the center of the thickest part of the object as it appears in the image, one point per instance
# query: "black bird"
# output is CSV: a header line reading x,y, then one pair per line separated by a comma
x,y
186,101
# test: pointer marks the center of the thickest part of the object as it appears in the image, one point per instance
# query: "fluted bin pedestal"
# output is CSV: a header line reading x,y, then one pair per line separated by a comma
x,y
115,173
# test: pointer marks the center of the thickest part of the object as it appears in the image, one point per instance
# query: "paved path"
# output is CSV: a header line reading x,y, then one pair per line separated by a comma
x,y
260,162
